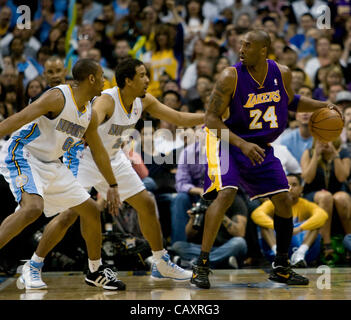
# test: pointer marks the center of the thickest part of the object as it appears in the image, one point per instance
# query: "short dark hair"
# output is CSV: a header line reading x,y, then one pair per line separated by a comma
x,y
126,69
172,92
83,68
297,176
308,15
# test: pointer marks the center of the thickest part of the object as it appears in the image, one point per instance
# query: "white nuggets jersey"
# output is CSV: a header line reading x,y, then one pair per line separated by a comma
x,y
47,139
112,130
79,159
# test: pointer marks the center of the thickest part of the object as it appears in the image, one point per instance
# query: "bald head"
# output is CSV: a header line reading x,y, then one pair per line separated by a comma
x,y
54,71
261,37
254,47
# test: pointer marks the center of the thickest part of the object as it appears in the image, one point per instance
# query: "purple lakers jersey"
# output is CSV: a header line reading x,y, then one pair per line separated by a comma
x,y
258,113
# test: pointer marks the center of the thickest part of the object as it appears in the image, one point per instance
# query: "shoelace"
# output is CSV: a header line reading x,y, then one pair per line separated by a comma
x,y
203,272
174,266
110,275
35,273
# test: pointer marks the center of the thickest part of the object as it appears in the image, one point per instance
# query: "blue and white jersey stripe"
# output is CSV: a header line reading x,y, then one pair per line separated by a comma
x,y
16,163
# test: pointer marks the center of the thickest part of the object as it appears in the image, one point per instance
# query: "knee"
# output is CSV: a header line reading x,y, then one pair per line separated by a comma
x,y
240,243
149,204
67,218
226,197
281,202
323,197
282,199
341,199
33,210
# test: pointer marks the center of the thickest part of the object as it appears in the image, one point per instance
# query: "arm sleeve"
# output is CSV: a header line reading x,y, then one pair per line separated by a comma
x,y
263,215
314,215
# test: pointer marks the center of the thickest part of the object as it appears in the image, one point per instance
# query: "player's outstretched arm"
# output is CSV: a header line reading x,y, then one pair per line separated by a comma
x,y
219,101
50,102
160,111
300,103
103,163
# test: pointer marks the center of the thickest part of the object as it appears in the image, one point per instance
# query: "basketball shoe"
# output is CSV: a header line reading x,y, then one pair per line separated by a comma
x,y
106,278
31,276
200,276
164,269
286,275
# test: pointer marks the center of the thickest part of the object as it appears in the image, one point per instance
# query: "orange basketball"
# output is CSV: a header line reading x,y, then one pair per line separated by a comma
x,y
326,124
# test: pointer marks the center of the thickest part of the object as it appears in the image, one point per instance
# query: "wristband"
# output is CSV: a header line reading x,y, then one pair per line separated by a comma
x,y
113,185
293,105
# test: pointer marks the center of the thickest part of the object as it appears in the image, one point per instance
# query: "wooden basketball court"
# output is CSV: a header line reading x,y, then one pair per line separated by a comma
x,y
245,284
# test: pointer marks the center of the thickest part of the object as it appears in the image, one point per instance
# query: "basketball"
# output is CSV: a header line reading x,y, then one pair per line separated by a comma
x,y
326,124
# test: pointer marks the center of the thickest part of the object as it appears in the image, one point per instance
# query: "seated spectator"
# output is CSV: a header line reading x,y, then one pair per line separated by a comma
x,y
299,139
198,95
307,217
162,59
333,91
195,24
109,76
298,40
322,58
172,99
222,63
343,99
189,185
28,66
298,78
230,247
325,169
305,90
230,48
333,76
289,57
33,89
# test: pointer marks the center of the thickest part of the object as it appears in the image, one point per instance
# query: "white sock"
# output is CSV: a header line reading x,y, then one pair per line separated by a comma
x,y
36,258
274,249
94,265
303,249
158,254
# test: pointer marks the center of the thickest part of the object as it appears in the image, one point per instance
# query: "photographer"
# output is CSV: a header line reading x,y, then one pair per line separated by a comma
x,y
229,248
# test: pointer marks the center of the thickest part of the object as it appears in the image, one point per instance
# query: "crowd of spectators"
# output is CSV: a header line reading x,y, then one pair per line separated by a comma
x,y
185,44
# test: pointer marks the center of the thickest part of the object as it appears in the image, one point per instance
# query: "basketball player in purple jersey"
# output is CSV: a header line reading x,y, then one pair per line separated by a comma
x,y
251,100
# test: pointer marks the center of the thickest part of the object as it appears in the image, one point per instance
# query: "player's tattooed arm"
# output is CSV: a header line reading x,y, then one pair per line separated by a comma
x,y
218,104
222,92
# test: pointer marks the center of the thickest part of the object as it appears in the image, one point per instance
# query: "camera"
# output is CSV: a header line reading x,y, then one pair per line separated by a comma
x,y
199,212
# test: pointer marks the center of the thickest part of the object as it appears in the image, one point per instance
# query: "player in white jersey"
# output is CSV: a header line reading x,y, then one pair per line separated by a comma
x,y
30,163
118,109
